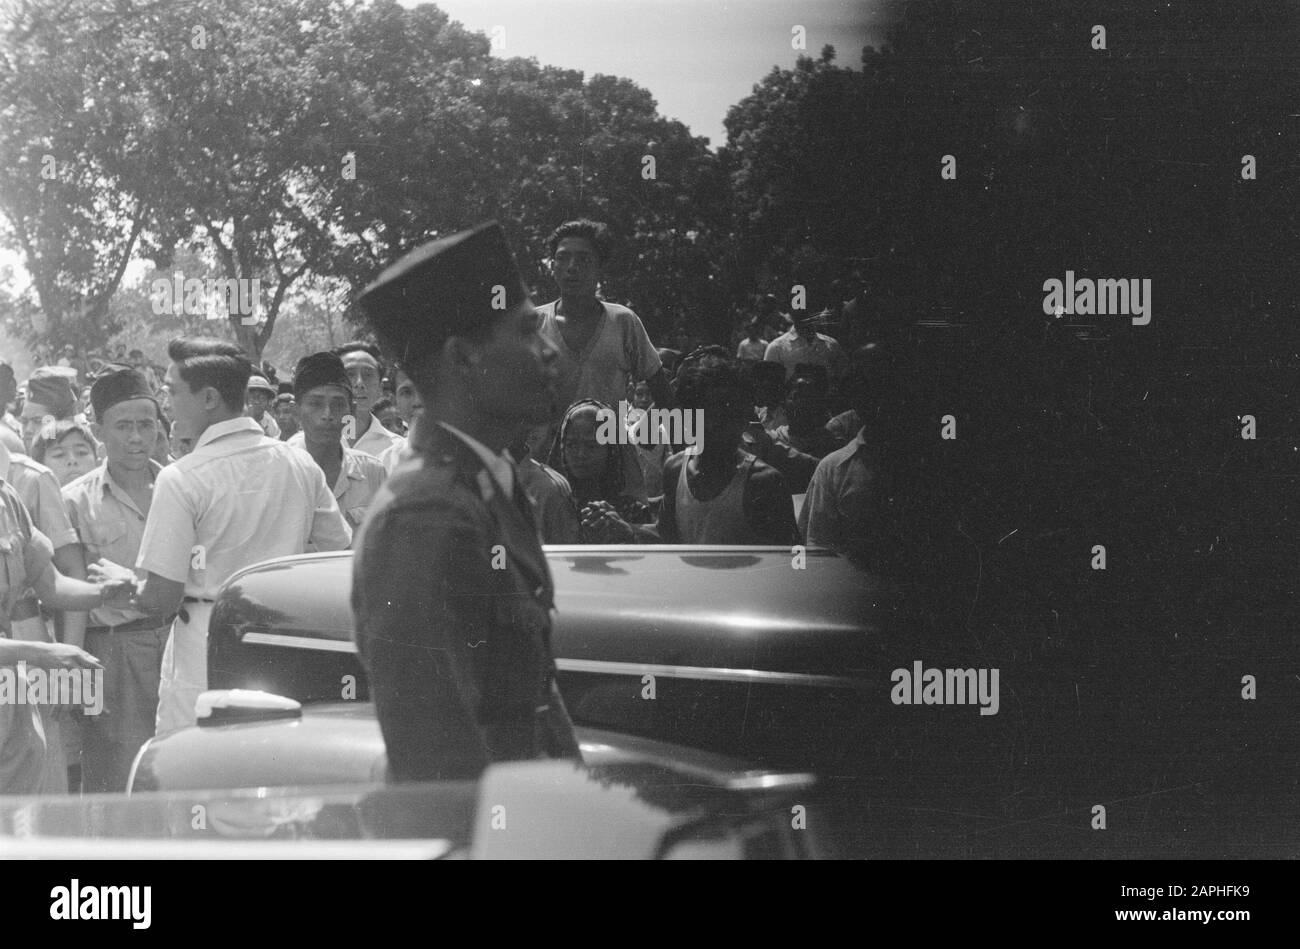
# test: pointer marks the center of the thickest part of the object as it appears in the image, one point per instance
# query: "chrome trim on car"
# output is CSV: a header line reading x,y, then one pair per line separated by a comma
x,y
299,642
771,781
603,667
707,674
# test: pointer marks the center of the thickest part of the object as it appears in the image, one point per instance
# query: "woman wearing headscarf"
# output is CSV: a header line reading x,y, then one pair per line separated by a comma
x,y
607,481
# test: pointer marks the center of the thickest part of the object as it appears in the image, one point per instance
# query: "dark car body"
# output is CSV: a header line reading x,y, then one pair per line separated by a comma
x,y
756,653
785,660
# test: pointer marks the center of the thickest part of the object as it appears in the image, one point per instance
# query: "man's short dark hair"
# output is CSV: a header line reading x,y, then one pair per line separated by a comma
x,y
359,347
602,239
381,404
704,372
215,363
819,376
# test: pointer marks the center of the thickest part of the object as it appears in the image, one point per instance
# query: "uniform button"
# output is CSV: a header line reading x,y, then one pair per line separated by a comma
x,y
539,591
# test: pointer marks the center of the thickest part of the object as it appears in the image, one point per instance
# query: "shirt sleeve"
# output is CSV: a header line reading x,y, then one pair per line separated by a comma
x,y
51,516
819,515
329,531
646,357
37,555
169,532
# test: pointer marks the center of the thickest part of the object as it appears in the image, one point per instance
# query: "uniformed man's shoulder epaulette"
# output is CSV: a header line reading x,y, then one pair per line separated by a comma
x,y
431,479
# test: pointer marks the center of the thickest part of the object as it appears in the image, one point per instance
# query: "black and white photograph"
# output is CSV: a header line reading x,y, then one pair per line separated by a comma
x,y
838,430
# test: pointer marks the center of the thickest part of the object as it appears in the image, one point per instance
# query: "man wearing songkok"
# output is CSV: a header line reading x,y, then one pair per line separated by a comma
x,y
364,432
324,398
108,508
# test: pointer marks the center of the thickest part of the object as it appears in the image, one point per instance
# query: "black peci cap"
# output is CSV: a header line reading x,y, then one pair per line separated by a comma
x,y
444,288
114,384
320,369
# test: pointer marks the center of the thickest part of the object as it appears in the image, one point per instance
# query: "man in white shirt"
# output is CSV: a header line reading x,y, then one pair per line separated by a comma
x,y
365,371
236,499
804,345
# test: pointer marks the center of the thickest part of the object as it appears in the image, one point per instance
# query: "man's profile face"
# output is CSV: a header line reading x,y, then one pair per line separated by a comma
x,y
321,412
575,266
514,377
363,373
187,407
406,399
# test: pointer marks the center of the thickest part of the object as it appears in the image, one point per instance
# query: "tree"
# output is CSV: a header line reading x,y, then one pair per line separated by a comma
x,y
70,189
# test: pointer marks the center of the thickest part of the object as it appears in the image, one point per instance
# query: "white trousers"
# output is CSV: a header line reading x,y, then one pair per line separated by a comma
x,y
184,669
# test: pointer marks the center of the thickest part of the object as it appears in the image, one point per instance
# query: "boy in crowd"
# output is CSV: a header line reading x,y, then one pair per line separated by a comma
x,y
722,494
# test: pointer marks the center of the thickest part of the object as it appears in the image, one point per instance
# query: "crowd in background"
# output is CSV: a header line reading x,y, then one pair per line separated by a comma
x,y
121,465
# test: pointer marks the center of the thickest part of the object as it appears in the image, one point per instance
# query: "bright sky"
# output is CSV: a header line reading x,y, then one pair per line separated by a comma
x,y
697,57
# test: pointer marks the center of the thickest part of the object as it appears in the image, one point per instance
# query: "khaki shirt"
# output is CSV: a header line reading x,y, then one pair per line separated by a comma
x,y
360,479
25,552
38,489
109,525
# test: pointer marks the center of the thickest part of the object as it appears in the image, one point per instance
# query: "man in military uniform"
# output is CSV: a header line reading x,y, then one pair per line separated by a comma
x,y
451,591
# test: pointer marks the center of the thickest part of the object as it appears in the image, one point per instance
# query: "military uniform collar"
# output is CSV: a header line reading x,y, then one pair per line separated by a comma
x,y
496,474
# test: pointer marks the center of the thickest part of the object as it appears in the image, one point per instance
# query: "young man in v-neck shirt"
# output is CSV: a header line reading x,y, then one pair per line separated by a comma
x,y
603,347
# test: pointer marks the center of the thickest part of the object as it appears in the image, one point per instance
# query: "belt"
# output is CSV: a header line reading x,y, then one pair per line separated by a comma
x,y
184,613
148,622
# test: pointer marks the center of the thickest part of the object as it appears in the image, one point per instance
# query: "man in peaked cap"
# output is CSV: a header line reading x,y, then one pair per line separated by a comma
x,y
451,591
51,396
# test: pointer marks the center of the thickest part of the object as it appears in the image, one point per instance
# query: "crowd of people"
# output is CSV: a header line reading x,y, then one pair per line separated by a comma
x,y
130,492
